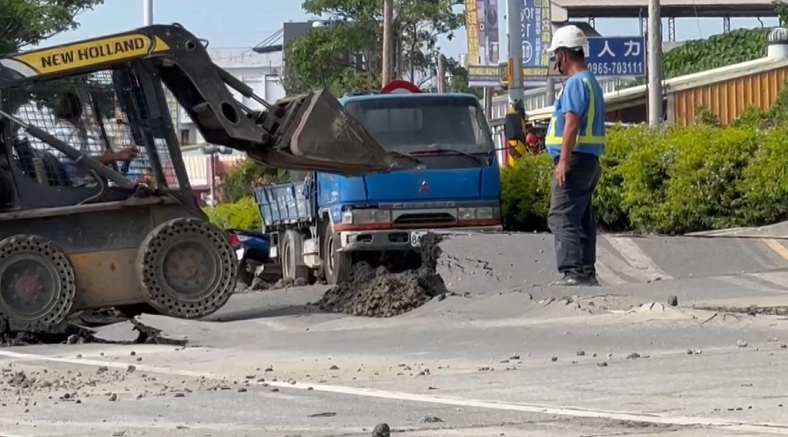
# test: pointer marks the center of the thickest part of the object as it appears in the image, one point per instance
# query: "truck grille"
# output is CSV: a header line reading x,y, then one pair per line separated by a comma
x,y
425,218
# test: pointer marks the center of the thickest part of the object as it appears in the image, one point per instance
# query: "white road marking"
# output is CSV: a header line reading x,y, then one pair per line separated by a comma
x,y
748,283
620,266
606,275
779,279
734,425
637,257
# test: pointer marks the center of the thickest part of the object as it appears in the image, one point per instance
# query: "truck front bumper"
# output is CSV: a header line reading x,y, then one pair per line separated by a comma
x,y
398,239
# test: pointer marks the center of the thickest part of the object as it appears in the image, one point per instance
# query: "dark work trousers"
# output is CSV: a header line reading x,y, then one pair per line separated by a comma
x,y
571,218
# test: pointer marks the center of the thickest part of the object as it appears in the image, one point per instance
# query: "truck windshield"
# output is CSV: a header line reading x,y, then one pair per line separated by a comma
x,y
412,123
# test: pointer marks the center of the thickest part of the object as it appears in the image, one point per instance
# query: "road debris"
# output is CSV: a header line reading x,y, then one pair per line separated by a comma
x,y
752,310
326,414
431,419
129,331
381,430
380,293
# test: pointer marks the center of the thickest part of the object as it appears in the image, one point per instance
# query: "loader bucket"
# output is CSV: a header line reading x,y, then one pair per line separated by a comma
x,y
317,134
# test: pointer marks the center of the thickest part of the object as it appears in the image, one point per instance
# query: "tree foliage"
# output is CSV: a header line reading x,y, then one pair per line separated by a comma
x,y
29,22
345,56
242,179
781,8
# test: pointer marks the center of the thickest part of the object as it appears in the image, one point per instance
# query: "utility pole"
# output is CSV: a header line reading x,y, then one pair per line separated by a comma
x,y
441,74
388,41
514,31
147,11
654,63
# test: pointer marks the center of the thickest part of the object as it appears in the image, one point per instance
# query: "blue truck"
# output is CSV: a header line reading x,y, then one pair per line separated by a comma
x,y
321,223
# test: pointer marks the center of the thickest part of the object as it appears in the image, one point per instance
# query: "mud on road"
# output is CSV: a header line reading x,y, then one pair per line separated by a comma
x,y
378,292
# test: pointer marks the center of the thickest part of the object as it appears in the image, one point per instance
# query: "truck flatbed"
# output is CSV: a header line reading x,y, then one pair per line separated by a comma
x,y
284,204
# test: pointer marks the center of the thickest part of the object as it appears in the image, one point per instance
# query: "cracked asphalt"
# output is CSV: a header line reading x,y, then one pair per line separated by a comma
x,y
510,356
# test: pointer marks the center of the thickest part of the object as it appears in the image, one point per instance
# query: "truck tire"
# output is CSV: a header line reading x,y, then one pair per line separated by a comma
x,y
292,253
336,265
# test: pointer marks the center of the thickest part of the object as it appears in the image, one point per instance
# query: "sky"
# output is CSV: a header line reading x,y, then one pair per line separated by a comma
x,y
245,23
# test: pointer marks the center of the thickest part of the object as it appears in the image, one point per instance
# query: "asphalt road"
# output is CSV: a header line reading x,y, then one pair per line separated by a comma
x,y
508,356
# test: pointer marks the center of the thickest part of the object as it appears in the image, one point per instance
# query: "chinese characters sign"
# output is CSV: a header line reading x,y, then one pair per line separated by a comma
x,y
481,24
617,56
536,33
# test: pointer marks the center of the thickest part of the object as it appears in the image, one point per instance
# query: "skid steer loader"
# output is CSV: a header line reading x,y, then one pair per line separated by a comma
x,y
96,209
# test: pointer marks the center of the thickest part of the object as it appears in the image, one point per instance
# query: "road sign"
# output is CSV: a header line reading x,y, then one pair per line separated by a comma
x,y
400,87
606,57
536,32
617,56
481,21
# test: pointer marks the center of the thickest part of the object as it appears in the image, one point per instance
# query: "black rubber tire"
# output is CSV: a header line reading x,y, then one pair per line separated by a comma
x,y
155,249
292,253
336,265
61,303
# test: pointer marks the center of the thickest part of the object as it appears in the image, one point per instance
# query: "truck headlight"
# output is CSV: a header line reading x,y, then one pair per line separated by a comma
x,y
482,213
369,216
466,213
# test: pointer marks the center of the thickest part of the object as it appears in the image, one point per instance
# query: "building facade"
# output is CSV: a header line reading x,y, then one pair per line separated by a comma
x,y
262,72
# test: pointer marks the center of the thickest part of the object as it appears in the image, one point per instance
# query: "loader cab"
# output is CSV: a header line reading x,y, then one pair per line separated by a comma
x,y
98,113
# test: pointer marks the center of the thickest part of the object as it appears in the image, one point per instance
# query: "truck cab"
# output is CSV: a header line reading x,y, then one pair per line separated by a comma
x,y
448,179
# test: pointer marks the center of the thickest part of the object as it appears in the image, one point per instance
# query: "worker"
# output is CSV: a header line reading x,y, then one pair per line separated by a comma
x,y
575,140
71,129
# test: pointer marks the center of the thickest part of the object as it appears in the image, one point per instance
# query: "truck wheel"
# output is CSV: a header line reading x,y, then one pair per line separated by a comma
x,y
292,252
337,265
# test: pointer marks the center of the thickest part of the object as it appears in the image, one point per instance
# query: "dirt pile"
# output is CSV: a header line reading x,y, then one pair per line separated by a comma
x,y
377,292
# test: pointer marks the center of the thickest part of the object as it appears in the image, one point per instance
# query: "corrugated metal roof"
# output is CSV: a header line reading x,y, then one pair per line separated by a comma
x,y
614,100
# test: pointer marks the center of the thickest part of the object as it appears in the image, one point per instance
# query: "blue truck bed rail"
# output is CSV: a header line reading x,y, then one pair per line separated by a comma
x,y
286,203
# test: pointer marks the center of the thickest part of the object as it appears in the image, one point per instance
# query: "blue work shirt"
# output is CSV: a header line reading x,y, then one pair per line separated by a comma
x,y
583,96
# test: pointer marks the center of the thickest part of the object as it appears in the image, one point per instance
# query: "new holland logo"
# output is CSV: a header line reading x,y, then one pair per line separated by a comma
x,y
424,188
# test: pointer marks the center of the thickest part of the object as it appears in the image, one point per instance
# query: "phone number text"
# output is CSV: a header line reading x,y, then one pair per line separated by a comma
x,y
617,68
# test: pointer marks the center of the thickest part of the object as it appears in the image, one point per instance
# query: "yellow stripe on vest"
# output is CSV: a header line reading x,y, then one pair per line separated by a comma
x,y
586,137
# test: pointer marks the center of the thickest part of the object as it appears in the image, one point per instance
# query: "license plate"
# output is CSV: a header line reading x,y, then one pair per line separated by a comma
x,y
415,238
240,253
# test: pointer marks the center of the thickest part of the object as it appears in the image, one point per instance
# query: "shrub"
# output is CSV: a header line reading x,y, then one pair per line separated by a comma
x,y
686,179
242,214
669,180
525,192
764,185
621,142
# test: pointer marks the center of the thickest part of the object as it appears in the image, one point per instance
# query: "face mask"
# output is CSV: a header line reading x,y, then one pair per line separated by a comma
x,y
559,61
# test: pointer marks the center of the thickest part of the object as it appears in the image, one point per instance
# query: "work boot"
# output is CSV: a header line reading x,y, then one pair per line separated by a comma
x,y
573,279
592,279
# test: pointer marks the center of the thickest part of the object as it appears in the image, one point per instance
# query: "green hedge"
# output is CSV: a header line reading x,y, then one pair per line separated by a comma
x,y
668,180
242,214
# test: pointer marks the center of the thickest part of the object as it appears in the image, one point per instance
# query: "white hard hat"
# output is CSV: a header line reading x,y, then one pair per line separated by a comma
x,y
568,37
